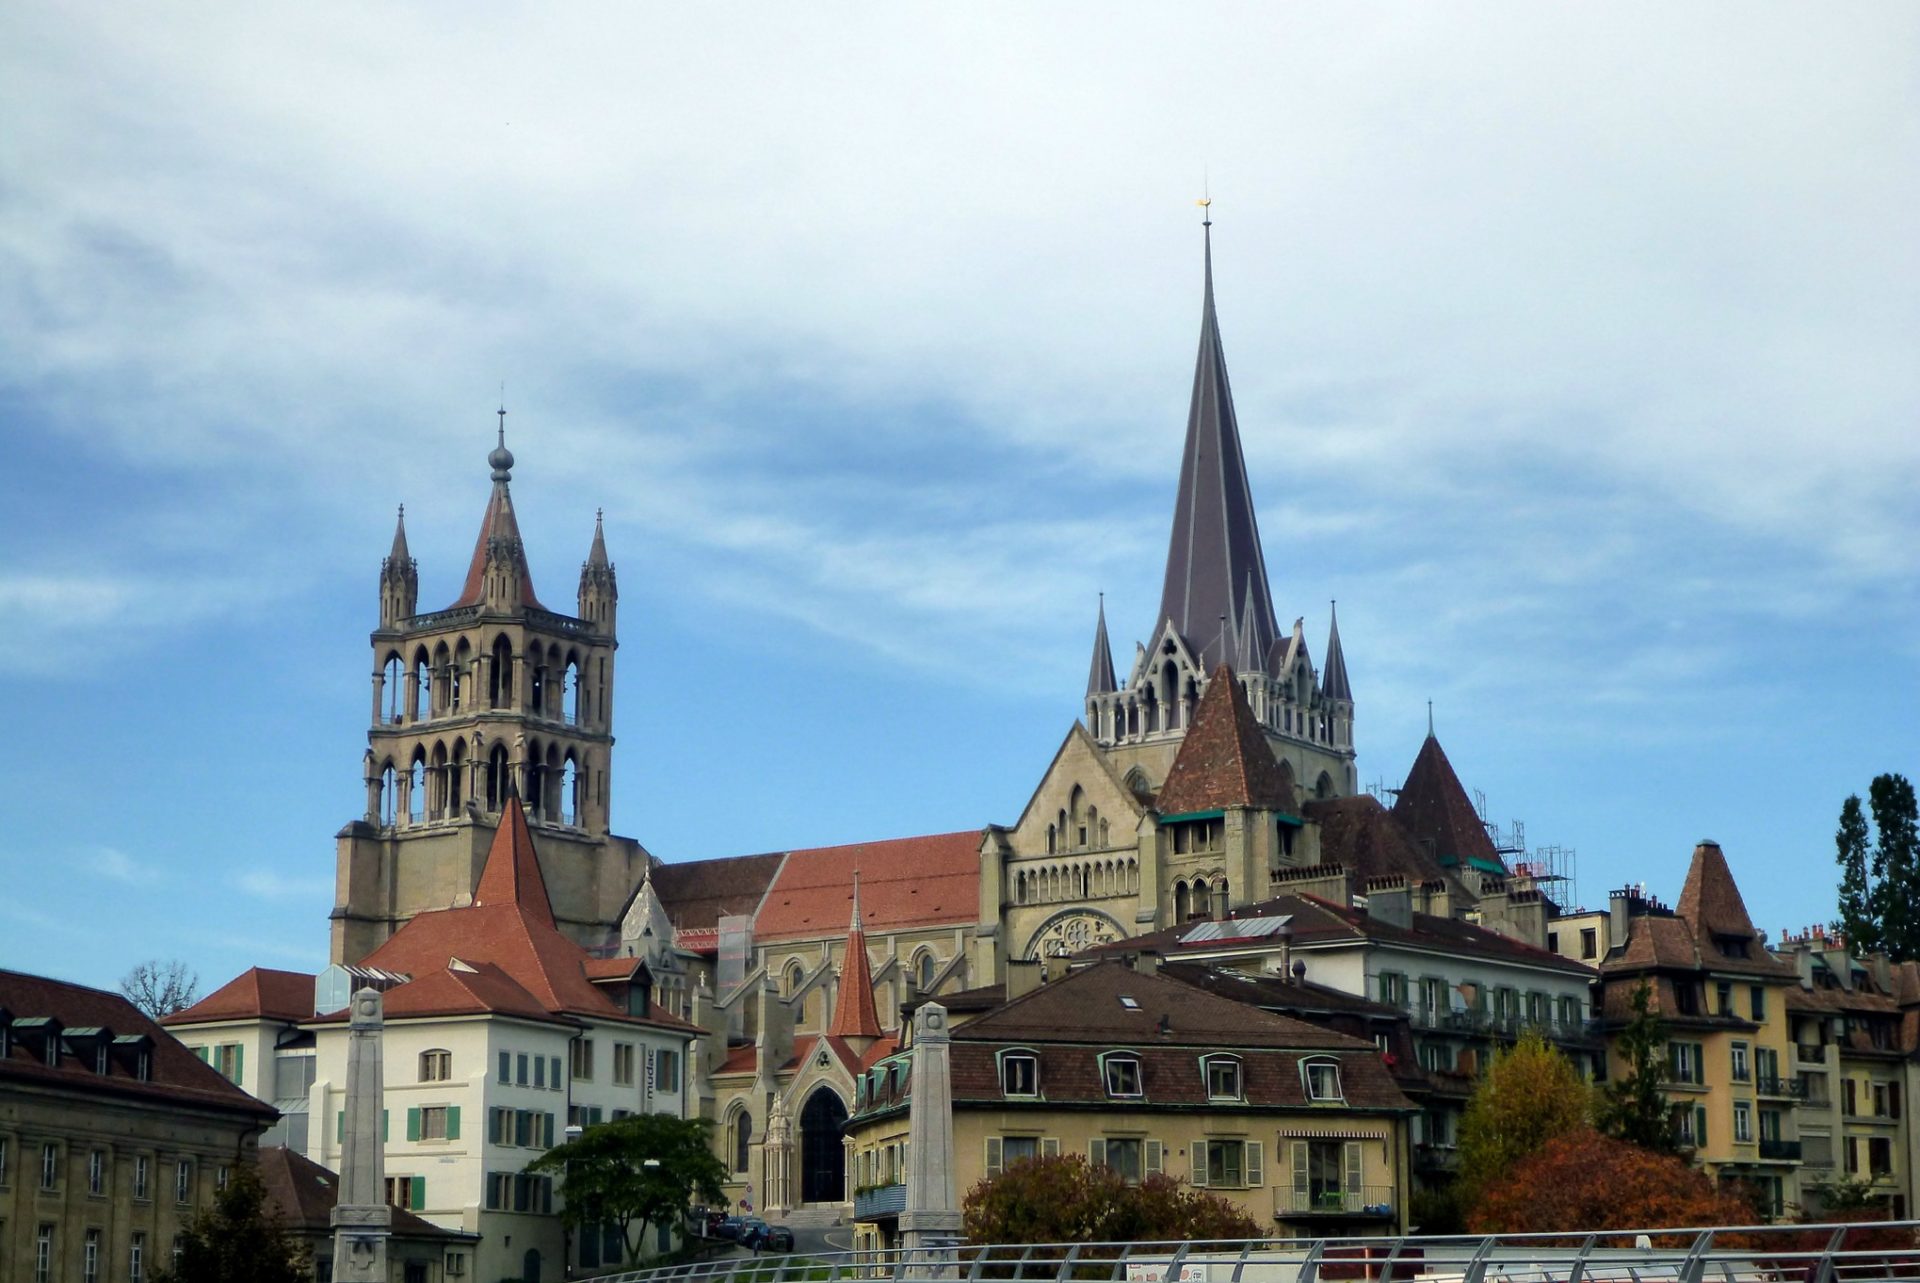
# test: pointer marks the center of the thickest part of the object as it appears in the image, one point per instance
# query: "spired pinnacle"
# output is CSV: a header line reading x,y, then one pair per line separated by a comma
x,y
500,459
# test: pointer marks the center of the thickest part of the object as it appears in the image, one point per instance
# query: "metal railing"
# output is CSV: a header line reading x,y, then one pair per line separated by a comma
x,y
1812,1054
1359,1200
1771,1085
881,1200
1827,1253
1788,1150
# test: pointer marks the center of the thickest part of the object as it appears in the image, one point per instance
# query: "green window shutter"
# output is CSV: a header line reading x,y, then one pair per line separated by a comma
x,y
413,1122
453,1122
201,1053
340,1127
419,1200
385,1135
239,1062
1256,1164
1198,1177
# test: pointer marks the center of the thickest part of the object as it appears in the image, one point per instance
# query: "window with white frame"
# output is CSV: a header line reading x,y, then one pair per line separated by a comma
x,y
1740,1070
1684,1060
142,1174
183,1181
1742,1120
49,1166
1122,1075
137,1258
1230,1164
1322,1080
623,1064
583,1059
1019,1074
1223,1078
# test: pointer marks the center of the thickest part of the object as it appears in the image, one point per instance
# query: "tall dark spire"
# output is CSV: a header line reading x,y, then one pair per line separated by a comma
x,y
1215,547
499,533
400,555
1100,672
1333,674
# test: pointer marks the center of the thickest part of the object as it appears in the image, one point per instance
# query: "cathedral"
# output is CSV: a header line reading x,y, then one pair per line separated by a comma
x,y
1215,771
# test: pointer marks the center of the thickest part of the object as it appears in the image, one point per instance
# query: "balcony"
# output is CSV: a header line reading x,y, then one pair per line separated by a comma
x,y
1782,1151
1789,1088
1357,1203
879,1202
1811,1055
1434,1159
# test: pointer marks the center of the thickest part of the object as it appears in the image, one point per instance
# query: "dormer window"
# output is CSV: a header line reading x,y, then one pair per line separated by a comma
x,y
1019,1074
1322,1078
1223,1078
1121,1074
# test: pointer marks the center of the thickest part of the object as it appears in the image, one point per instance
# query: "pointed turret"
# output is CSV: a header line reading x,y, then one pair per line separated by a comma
x,y
1225,759
399,578
1215,546
1333,674
1434,808
498,573
512,873
854,1015
1100,672
599,591
1252,642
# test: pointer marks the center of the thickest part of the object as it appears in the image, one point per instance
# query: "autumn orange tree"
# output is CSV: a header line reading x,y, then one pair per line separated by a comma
x,y
1581,1180
1531,1093
1066,1199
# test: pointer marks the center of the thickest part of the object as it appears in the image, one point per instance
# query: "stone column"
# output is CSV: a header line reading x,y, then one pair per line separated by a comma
x,y
361,1217
778,1193
932,1215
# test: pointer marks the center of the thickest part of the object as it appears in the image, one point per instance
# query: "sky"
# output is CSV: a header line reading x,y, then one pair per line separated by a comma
x,y
1573,349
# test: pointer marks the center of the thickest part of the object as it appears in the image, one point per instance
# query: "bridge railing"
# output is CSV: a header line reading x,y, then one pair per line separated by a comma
x,y
1829,1253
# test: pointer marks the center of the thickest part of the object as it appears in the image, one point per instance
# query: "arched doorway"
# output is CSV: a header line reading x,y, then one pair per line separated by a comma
x,y
530,1266
823,1152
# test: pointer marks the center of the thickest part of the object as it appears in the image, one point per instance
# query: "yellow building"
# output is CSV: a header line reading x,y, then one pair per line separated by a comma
x,y
1724,999
1302,1127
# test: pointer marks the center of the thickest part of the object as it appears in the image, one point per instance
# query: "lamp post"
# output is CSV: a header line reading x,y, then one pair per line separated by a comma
x,y
572,1134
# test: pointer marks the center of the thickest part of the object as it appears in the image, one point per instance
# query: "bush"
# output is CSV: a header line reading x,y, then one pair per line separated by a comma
x,y
1068,1200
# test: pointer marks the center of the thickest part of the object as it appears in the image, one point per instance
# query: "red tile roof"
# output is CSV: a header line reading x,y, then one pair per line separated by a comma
x,y
1224,759
697,893
854,1015
497,523
176,1075
255,993
1433,806
512,873
905,882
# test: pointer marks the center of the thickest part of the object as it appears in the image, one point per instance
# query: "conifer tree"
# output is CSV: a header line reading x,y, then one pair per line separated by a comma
x,y
1859,912
1634,1108
1896,866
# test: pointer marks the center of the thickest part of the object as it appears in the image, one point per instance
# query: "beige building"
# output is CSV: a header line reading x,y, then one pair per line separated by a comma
x,y
1301,1127
112,1135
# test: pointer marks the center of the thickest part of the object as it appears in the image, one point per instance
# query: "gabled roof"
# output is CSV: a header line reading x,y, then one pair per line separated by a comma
x,y
906,882
1333,674
176,1076
1224,759
1433,807
696,894
1214,552
498,529
255,993
854,1015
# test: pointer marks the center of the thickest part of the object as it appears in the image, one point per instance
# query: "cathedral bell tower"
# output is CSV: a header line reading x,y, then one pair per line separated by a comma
x,y
493,696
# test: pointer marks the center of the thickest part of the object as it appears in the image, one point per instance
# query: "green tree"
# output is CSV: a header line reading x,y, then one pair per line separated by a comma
x,y
635,1172
1066,1199
1529,1095
1634,1107
1859,919
239,1239
1896,866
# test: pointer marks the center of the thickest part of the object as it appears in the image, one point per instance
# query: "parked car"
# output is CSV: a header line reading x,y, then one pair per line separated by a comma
x,y
707,1221
762,1237
730,1227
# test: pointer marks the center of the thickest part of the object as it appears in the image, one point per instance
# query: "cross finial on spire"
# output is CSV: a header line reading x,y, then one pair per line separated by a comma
x,y
1429,719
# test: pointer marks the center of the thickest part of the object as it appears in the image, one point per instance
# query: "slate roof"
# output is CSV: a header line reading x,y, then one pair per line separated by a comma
x,y
1366,839
1333,674
905,882
1213,553
257,992
176,1075
304,1193
1224,759
1433,806
1100,671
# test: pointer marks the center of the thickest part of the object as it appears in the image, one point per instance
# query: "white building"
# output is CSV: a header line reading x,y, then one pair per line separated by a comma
x,y
499,1033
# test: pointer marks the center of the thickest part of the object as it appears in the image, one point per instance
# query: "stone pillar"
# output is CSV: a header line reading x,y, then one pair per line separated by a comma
x,y
361,1217
932,1215
777,1197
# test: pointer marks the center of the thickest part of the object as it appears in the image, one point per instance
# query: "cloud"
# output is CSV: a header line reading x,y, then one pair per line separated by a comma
x,y
118,866
266,885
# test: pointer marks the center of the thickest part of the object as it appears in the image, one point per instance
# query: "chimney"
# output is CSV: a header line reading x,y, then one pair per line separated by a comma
x,y
1147,962
1023,976
1391,905
1622,906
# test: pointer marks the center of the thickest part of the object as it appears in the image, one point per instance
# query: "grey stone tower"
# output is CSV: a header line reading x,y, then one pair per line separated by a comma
x,y
361,1218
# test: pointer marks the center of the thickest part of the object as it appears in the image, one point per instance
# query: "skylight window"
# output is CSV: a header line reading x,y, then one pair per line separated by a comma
x,y
1129,1003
